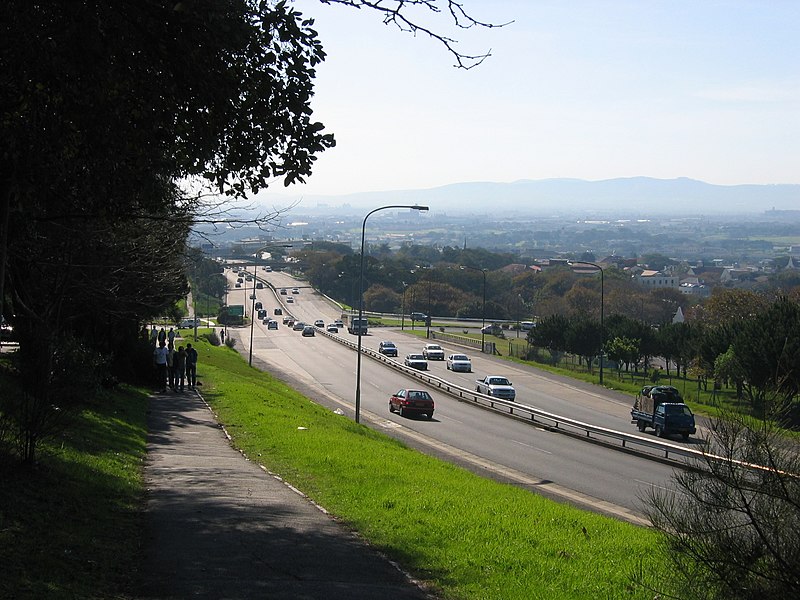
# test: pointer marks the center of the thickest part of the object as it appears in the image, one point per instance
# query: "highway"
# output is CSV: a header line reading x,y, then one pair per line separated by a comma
x,y
586,474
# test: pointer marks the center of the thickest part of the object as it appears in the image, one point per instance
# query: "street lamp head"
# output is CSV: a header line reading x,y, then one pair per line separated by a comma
x,y
418,207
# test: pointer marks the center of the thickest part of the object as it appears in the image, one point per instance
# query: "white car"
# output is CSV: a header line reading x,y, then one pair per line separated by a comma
x,y
319,323
433,352
459,362
416,361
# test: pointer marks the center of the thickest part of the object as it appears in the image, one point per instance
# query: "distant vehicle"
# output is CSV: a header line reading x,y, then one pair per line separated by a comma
x,y
433,352
496,386
527,325
661,407
319,323
268,269
358,326
283,291
339,324
287,320
387,348
332,328
278,311
238,284
290,300
295,291
259,306
298,326
188,323
248,277
408,402
262,314
265,321
492,329
259,286
459,362
272,324
309,331
242,273
416,361
418,316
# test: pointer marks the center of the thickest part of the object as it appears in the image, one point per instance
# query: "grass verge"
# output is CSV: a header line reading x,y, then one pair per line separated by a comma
x,y
70,526
469,537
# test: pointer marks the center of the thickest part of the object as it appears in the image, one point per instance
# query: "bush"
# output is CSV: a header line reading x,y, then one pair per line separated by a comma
x,y
230,342
213,338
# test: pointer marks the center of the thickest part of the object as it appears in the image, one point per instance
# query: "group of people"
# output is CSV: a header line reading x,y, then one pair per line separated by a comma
x,y
175,368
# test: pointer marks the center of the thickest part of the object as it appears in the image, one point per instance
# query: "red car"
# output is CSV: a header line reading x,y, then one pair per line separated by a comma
x,y
408,402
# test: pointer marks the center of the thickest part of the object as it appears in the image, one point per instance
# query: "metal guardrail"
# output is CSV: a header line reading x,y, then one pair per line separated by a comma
x,y
530,413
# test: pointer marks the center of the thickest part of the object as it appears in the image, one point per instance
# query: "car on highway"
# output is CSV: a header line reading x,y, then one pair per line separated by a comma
x,y
408,402
295,291
459,362
298,326
339,323
283,291
416,361
265,320
332,328
188,323
308,331
272,324
289,321
433,352
278,311
259,286
259,306
418,316
238,284
319,323
290,300
387,348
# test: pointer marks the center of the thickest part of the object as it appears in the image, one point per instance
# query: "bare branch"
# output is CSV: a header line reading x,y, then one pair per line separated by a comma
x,y
395,12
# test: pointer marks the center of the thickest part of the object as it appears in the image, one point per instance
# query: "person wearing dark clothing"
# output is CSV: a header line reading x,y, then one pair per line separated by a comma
x,y
191,366
171,365
162,336
180,367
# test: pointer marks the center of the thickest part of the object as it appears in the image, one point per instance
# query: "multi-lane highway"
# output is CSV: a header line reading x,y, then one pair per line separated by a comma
x,y
561,466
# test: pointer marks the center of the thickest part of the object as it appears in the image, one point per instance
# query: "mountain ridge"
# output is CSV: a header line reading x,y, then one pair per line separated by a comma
x,y
628,195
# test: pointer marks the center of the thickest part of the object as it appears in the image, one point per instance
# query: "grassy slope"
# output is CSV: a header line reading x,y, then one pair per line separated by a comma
x,y
70,527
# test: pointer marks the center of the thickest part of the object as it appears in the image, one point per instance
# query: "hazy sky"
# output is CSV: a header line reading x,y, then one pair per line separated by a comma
x,y
585,89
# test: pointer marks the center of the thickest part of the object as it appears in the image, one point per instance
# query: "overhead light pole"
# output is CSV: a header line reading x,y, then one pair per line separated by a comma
x,y
483,310
361,295
602,304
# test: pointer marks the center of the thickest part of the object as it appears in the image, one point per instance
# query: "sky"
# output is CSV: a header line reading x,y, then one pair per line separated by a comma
x,y
593,90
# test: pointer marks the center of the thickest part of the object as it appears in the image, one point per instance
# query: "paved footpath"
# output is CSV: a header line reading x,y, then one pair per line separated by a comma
x,y
218,526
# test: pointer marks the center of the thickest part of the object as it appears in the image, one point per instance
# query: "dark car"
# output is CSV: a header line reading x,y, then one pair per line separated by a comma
x,y
298,326
418,316
278,311
408,402
272,324
308,331
387,348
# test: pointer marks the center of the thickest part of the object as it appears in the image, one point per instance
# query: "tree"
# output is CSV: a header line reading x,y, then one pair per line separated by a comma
x,y
584,338
730,531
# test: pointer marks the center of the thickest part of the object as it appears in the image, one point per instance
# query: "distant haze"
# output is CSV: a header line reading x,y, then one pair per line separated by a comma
x,y
629,196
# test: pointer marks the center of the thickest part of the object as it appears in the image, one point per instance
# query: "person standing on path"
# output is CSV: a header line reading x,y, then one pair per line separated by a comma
x,y
191,366
162,336
180,367
154,336
171,365
160,363
171,336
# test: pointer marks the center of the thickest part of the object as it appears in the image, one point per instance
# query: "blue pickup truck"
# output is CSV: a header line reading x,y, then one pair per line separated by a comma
x,y
661,407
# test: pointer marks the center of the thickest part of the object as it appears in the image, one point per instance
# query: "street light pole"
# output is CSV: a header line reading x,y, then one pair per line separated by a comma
x,y
602,305
361,296
483,310
252,314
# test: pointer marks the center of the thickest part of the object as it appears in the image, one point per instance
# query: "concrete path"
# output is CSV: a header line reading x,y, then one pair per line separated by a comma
x,y
218,526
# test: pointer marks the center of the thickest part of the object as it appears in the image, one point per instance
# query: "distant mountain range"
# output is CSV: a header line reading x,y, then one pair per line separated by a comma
x,y
624,196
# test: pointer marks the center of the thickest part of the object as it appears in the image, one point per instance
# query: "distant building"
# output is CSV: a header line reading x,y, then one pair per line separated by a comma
x,y
657,279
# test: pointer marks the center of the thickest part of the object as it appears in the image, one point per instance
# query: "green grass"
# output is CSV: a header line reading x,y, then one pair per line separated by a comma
x,y
70,527
469,537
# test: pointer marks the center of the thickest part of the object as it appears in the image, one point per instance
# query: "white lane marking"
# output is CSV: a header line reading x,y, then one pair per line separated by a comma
x,y
531,446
